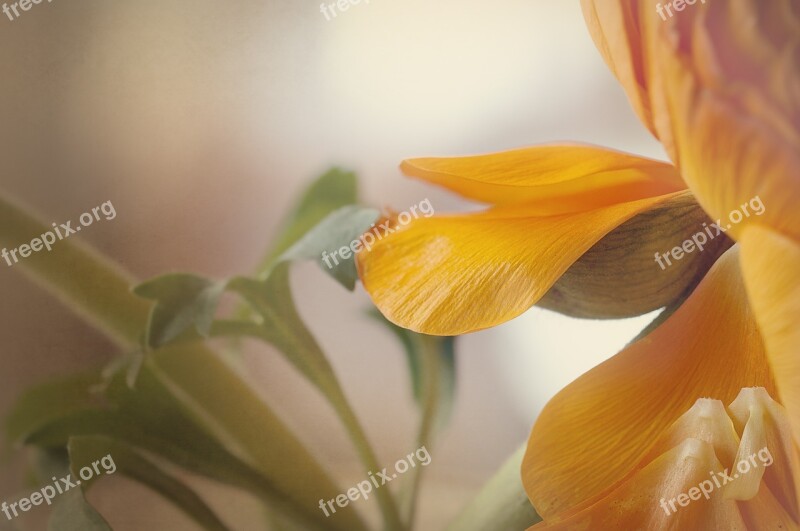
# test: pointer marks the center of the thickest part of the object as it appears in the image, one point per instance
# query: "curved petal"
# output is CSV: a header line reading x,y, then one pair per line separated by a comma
x,y
596,429
636,503
771,265
731,82
551,179
671,490
449,275
719,84
764,424
615,29
666,495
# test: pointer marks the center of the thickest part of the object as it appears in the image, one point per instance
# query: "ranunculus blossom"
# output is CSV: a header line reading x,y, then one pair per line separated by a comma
x,y
575,228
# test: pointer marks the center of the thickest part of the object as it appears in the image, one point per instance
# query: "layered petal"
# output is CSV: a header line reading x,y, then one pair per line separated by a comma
x,y
771,265
550,179
767,447
701,475
637,503
719,83
594,432
731,77
449,275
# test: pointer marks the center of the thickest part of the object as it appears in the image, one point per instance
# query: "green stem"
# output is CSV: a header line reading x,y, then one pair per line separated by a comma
x,y
208,389
431,379
391,514
85,281
501,505
332,390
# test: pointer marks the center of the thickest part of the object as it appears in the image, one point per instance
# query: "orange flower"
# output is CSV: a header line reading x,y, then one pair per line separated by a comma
x,y
575,228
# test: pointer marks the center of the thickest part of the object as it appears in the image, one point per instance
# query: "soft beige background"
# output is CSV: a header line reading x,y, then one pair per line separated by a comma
x,y
202,121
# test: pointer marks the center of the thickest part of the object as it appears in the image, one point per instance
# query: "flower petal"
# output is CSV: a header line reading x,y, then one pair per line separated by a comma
x,y
552,179
614,27
670,489
771,265
637,504
598,427
449,275
719,84
766,434
731,81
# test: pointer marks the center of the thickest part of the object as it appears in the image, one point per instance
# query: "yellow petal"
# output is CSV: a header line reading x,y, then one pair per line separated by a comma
x,y
449,275
595,430
771,265
549,180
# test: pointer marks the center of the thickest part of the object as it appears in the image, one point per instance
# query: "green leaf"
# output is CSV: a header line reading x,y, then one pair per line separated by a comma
x,y
44,403
84,451
183,302
208,390
149,418
238,415
340,231
282,325
283,328
49,463
73,513
333,190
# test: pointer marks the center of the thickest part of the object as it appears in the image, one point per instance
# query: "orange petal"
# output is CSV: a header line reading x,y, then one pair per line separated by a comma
x,y
594,431
719,84
771,265
552,179
450,275
614,27
731,80
643,502
670,489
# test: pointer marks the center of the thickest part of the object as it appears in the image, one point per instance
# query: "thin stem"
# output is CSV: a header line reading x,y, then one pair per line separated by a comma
x,y
98,290
431,379
391,515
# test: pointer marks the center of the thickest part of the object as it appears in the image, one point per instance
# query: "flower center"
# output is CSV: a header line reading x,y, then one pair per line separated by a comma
x,y
747,449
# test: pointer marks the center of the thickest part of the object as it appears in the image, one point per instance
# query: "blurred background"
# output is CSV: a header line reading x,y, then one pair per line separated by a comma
x,y
202,121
